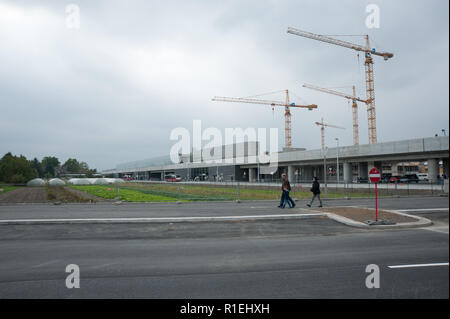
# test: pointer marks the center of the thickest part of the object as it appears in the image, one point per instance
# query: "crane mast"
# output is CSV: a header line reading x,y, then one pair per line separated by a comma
x,y
322,130
370,93
354,99
287,123
370,87
355,120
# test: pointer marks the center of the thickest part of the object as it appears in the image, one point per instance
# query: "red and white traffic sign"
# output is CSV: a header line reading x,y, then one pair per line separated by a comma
x,y
374,175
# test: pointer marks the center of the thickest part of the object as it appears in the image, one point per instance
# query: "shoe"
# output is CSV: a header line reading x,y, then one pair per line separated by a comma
x,y
320,206
293,206
308,205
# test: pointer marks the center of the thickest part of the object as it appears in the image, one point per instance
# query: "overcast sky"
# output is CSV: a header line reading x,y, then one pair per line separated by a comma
x,y
112,90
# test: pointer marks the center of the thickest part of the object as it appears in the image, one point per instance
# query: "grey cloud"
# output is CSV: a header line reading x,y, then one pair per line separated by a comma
x,y
112,91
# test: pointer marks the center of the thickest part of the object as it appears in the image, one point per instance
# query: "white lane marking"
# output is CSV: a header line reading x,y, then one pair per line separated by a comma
x,y
418,265
438,229
157,219
45,264
423,210
103,265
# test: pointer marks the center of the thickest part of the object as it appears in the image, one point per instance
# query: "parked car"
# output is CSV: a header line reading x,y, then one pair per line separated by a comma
x,y
423,177
394,179
173,178
385,177
404,180
362,180
412,178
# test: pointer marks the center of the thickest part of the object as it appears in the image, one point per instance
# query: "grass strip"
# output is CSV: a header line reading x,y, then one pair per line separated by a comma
x,y
127,195
7,188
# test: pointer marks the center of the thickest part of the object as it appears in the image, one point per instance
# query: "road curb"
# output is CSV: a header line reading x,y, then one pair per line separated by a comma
x,y
307,213
112,201
155,220
421,221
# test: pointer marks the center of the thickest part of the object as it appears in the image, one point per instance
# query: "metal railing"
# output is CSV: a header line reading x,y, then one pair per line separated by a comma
x,y
239,191
157,191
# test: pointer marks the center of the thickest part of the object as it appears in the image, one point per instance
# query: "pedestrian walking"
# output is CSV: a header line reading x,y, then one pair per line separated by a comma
x,y
285,196
315,189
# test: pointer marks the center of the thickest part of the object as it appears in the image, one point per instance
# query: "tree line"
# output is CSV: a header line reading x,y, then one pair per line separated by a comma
x,y
19,170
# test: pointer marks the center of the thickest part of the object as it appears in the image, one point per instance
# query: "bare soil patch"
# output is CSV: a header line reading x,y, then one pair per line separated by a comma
x,y
68,195
25,195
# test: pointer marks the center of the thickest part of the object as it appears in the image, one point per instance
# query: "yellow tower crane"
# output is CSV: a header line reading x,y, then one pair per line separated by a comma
x,y
322,130
370,88
354,99
287,114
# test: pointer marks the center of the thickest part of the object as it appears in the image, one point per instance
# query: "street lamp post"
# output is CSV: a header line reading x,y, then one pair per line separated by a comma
x,y
324,153
337,159
258,172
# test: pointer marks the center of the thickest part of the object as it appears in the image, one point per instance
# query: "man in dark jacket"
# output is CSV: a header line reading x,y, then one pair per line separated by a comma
x,y
316,192
285,197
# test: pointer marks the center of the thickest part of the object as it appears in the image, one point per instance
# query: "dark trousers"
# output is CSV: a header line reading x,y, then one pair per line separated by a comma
x,y
286,198
313,197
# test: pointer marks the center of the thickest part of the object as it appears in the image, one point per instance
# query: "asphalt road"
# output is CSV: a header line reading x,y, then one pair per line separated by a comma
x,y
197,209
307,258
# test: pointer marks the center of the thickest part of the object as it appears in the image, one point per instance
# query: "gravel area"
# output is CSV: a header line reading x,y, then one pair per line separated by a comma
x,y
365,214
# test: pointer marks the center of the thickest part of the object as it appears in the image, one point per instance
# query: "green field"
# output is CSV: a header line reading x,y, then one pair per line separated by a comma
x,y
135,192
214,192
109,192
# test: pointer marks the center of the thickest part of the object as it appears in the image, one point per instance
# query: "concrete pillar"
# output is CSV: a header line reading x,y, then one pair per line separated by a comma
x,y
307,174
433,170
394,169
323,171
291,173
316,171
348,172
379,165
370,165
252,175
363,171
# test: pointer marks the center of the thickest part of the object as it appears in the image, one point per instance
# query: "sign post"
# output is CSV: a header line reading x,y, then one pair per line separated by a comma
x,y
375,177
